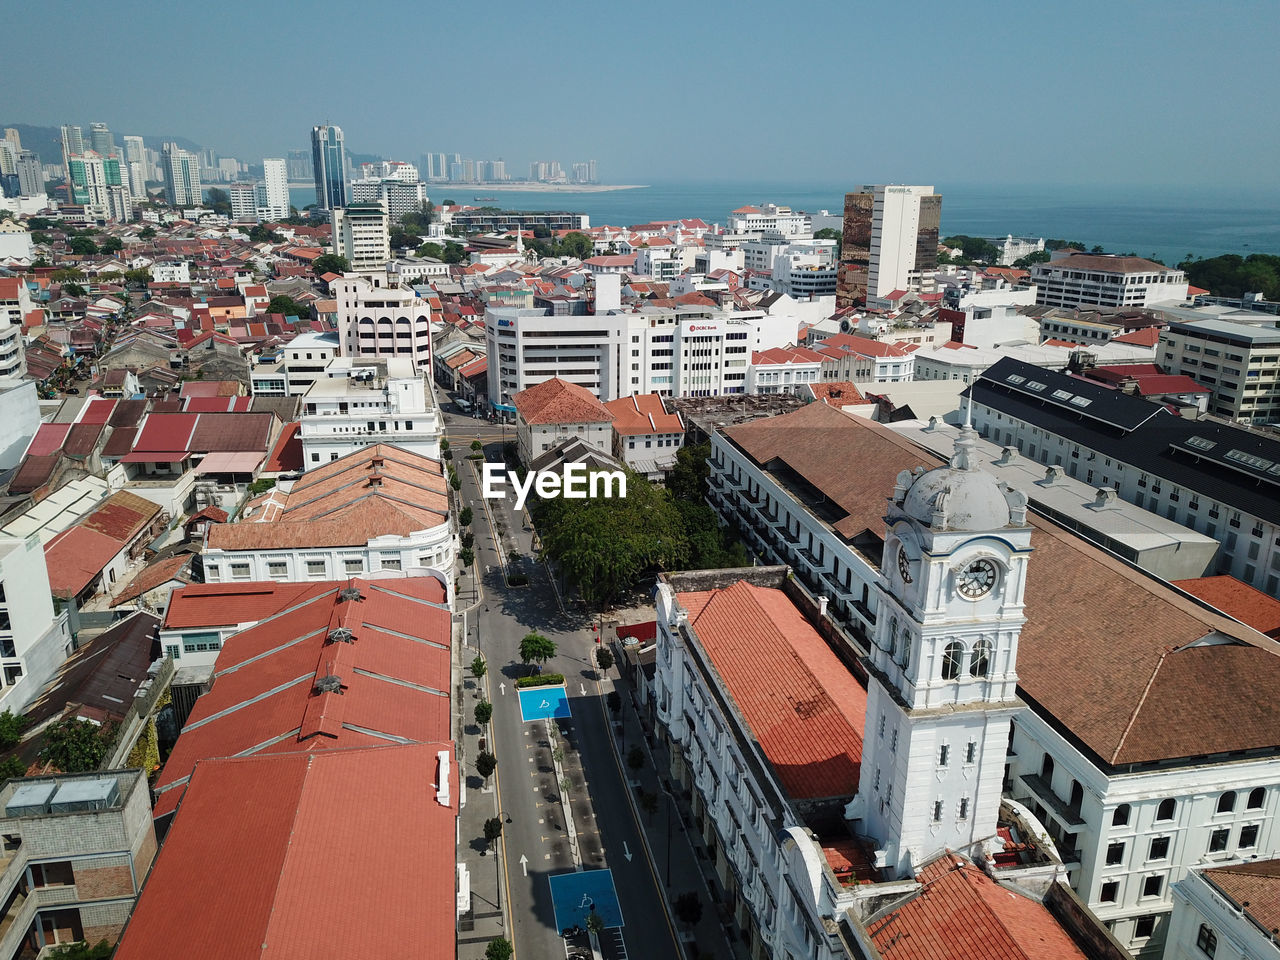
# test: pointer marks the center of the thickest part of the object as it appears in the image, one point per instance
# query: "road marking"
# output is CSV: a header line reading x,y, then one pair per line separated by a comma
x,y
626,851
524,864
502,688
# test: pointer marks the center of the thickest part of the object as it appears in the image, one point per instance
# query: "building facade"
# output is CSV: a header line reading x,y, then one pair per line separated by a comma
x,y
1226,913
273,192
181,177
329,165
1080,279
382,321
1239,362
34,639
890,242
361,234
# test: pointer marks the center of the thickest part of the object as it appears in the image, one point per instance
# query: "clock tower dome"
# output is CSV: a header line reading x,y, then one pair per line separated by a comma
x,y
942,685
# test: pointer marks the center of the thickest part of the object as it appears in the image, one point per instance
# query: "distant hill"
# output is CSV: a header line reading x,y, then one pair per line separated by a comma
x,y
47,141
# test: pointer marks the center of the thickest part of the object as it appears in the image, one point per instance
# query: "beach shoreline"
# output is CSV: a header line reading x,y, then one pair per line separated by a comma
x,y
536,187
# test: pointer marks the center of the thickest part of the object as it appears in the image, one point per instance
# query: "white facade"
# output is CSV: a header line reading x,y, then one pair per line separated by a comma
x,y
1082,279
171,271
15,304
376,320
34,640
181,177
770,217
19,419
362,401
895,227
244,202
790,377
273,191
398,195
535,439
1207,923
663,263
1013,249
1240,362
360,234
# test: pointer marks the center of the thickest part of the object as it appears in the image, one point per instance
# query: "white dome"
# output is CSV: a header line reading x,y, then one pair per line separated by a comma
x,y
971,499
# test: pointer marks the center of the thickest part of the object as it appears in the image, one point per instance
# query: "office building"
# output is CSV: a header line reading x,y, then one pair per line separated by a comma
x,y
890,243
329,166
1239,362
361,234
101,141
273,190
30,174
377,320
244,202
11,134
101,186
1074,279
300,165
135,157
72,146
397,195
181,177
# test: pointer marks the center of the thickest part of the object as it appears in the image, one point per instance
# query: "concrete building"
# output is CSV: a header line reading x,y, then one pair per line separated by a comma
x,y
273,190
99,185
646,437
1075,279
15,306
34,639
556,410
769,218
135,158
329,165
1239,362
244,202
377,320
30,174
1226,913
181,177
1014,248
72,146
361,234
365,400
1210,475
890,242
19,419
399,196
78,847
300,364
784,370
862,360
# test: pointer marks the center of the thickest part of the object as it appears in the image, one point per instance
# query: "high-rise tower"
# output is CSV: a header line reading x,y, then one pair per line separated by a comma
x,y
329,162
890,242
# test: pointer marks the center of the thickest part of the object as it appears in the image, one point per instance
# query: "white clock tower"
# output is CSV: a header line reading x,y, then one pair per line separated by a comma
x,y
942,682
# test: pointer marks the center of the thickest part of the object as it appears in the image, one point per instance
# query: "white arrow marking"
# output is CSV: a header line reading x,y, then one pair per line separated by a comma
x,y
626,852
524,864
582,689
503,688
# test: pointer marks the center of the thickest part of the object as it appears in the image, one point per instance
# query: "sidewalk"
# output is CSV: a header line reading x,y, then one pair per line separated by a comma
x,y
678,855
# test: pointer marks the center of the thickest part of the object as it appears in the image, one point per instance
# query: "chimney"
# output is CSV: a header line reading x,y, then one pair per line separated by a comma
x,y
822,607
1007,456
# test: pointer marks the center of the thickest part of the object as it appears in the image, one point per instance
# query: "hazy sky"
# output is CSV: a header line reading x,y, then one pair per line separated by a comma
x,y
1073,91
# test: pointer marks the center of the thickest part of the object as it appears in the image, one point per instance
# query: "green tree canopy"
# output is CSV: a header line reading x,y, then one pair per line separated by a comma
x,y
535,648
577,245
1039,256
1232,275
486,763
75,746
492,830
401,238
453,252
218,200
830,233
261,233
81,951
288,306
146,233
975,248
499,949
604,657
689,908
111,245
478,667
11,727
82,246
432,250
483,712
329,263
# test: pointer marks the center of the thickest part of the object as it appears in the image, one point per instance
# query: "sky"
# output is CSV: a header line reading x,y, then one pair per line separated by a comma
x,y
1079,92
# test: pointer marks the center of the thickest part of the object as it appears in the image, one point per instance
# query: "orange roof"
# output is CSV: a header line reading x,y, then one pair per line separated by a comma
x,y
559,401
268,847
287,455
747,209
803,705
788,354
154,576
840,344
643,414
1146,337
1238,600
961,913
838,393
75,556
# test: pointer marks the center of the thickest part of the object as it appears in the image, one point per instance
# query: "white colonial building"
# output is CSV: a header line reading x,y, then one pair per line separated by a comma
x,y
359,401
1075,279
557,410
1226,913
379,320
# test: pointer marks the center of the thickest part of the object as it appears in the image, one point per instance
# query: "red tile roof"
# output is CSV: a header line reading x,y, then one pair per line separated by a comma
x,y
155,576
231,604
642,414
962,914
97,410
1254,888
122,516
1237,600
166,431
340,853
838,393
395,679
778,355
286,457
559,401
840,344
75,556
49,439
803,705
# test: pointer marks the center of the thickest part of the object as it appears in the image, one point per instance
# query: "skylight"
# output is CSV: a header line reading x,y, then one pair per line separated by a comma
x,y
1036,385
1081,401
1200,443
1014,378
1249,460
1062,394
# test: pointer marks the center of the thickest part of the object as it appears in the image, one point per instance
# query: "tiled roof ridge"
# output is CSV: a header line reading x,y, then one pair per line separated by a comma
x,y
376,494
1137,709
355,482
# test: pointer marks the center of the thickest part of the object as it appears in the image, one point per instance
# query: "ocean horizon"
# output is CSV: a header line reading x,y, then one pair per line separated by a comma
x,y
1166,223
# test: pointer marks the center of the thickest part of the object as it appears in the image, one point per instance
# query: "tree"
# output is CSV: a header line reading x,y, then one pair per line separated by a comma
x,y
476,445
492,830
73,290
81,951
400,238
689,476
467,556
455,481
649,804
830,233
483,712
604,657
11,727
635,758
499,949
1232,275
535,648
975,248
146,233
13,766
1039,256
468,540
75,746
465,517
219,201
595,923
615,701
453,252
288,306
432,250
329,263
689,908
111,245
478,667
261,233
486,763
577,245
82,247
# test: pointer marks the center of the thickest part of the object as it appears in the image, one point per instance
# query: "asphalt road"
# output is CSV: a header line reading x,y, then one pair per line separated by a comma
x,y
526,783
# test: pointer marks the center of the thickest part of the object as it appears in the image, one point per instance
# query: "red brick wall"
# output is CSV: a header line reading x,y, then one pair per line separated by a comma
x,y
104,882
109,932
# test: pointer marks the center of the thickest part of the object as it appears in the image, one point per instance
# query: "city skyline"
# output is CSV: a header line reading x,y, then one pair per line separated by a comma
x,y
1081,131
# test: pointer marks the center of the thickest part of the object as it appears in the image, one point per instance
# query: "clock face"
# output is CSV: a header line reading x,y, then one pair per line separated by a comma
x,y
904,564
977,579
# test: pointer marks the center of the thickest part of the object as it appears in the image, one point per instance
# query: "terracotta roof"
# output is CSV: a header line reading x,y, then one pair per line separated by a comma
x,y
75,556
33,473
641,414
155,576
778,355
962,914
1238,600
1104,263
839,393
286,457
1147,337
840,344
803,705
49,439
122,516
1255,888
272,867
395,680
559,401
216,514
229,604
1122,690
380,490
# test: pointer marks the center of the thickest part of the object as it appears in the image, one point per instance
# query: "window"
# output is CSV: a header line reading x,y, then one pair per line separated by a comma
x,y
964,808
1046,770
239,571
1115,854
353,566
173,650
937,811
1159,849
951,659
1165,810
971,751
1110,892
943,753
980,660
1144,927
1152,885
1218,839
390,563
882,720
1121,815
315,568
12,673
1207,940
277,569
1227,802
1256,798
1248,836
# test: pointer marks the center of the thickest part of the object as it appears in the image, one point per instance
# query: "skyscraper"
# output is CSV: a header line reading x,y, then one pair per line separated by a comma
x,y
13,137
361,234
72,146
101,187
329,161
135,158
30,174
890,242
101,141
181,177
273,191
300,165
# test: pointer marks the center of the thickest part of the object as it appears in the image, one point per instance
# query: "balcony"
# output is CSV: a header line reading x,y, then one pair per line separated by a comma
x,y
1043,790
789,535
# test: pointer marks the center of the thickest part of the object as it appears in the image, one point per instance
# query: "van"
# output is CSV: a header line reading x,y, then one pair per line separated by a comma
x,y
464,406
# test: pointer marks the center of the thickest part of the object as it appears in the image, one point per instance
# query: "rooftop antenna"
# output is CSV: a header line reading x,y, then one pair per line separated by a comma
x,y
963,458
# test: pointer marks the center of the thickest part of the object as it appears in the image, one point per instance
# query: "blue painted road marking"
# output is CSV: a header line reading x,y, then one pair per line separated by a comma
x,y
544,703
575,895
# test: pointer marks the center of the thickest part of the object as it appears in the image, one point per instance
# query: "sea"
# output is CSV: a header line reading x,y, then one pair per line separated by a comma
x,y
1163,223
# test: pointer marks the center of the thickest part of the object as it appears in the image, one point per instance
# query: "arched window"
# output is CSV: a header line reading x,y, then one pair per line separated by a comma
x,y
906,648
980,660
1207,940
1227,802
1257,797
1121,815
893,639
1046,769
952,657
1166,810
1077,796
